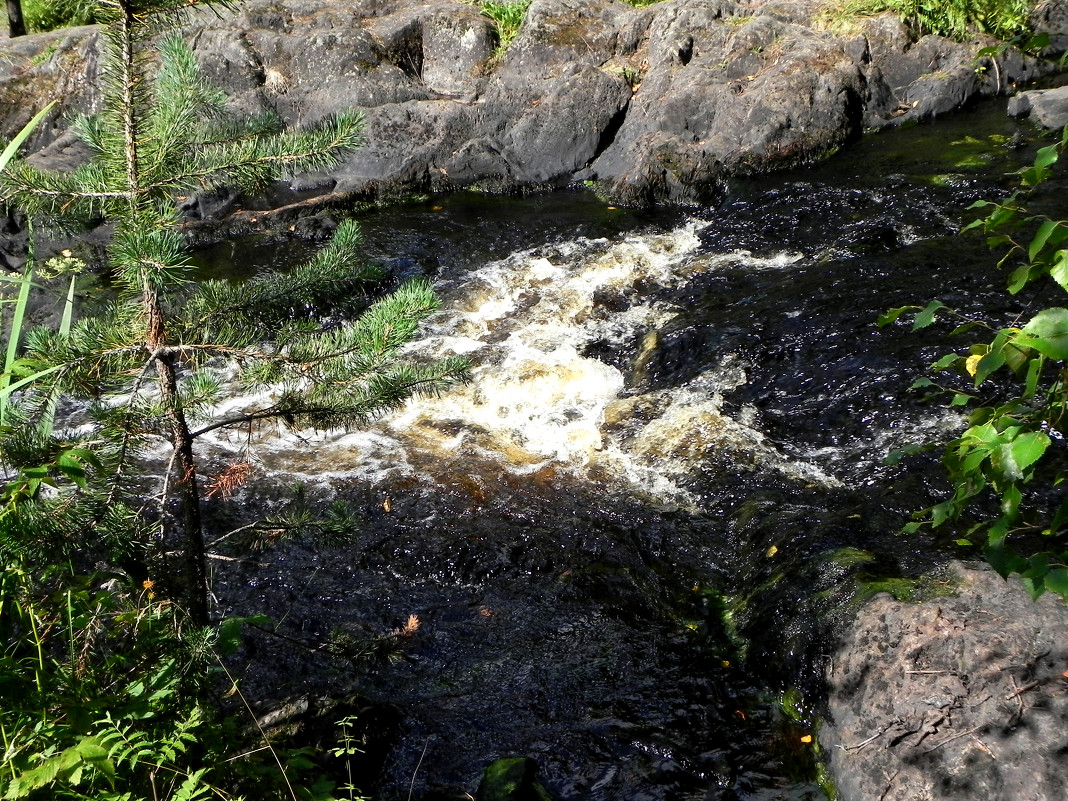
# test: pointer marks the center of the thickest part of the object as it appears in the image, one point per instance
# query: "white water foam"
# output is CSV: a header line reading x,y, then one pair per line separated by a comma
x,y
536,400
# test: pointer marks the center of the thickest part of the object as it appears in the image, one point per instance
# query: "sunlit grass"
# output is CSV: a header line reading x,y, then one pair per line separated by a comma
x,y
955,19
508,17
47,15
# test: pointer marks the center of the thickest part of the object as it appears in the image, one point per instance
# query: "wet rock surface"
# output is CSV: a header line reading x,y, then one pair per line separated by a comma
x,y
1047,107
659,104
958,697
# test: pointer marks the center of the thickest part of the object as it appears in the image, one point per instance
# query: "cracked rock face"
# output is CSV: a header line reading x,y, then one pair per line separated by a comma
x,y
659,104
955,698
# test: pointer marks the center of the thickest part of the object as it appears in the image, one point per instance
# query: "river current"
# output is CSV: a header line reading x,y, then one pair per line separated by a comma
x,y
634,533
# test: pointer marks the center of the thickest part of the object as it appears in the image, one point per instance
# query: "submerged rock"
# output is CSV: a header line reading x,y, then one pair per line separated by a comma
x,y
511,779
954,698
658,104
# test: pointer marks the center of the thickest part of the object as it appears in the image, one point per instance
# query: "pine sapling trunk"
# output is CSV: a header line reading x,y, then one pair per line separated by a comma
x,y
193,578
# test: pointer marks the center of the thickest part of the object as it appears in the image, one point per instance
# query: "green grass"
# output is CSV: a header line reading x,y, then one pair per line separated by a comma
x,y
954,19
48,15
508,17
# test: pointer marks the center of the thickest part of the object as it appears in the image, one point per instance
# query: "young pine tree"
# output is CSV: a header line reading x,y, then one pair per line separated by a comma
x,y
150,362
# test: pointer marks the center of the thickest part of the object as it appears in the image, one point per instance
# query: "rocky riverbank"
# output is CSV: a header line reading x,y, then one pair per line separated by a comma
x,y
660,104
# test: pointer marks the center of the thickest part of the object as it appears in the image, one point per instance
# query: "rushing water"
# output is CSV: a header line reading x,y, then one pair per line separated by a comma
x,y
637,525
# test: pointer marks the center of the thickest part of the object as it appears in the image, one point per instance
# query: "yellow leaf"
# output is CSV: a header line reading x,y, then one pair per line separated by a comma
x,y
774,549
972,365
807,738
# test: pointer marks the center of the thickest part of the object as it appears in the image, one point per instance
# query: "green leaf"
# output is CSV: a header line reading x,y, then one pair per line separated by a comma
x,y
1028,448
1058,270
192,787
1034,370
892,315
993,360
1035,586
1020,277
897,455
919,383
1046,230
1033,176
1010,502
1047,156
945,362
964,328
1059,519
1017,355
231,630
13,146
927,316
1048,333
1039,41
1057,581
996,534
941,512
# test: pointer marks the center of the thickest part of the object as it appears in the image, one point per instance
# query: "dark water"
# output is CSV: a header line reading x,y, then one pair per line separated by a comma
x,y
622,581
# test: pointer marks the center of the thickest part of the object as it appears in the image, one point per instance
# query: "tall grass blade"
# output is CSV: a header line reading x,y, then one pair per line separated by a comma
x,y
13,146
14,335
48,416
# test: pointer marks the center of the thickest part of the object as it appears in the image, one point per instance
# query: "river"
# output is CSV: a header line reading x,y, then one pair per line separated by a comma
x,y
634,533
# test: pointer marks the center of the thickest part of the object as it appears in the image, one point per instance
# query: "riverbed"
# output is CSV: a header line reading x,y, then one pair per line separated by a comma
x,y
631,540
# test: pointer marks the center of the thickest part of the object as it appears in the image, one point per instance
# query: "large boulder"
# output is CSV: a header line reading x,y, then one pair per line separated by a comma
x,y
726,91
960,697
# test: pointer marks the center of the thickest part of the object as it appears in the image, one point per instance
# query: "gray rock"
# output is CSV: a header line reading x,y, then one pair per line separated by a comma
x,y
1047,107
955,698
1051,17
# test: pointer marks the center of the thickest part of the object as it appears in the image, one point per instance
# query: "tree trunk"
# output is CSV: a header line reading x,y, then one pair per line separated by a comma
x,y
16,26
193,574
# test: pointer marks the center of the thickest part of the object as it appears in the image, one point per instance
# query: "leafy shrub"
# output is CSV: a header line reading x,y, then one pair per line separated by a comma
x,y
1013,451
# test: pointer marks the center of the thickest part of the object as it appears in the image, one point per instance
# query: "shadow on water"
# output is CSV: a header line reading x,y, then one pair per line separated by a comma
x,y
627,602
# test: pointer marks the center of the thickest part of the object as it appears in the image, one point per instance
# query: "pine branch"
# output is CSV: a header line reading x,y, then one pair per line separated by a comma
x,y
253,163
87,192
368,343
183,104
264,308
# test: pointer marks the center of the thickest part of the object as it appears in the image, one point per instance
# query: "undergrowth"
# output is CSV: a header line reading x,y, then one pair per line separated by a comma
x,y
508,17
955,19
48,15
